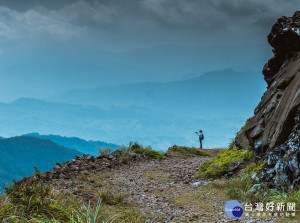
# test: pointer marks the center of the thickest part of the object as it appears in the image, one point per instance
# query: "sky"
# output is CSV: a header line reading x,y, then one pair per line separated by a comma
x,y
48,47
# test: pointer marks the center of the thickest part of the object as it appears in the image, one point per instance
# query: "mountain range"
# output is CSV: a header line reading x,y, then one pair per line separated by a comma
x,y
18,156
51,72
84,146
214,94
156,114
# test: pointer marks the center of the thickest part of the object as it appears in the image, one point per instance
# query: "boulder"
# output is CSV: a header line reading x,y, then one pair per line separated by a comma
x,y
235,164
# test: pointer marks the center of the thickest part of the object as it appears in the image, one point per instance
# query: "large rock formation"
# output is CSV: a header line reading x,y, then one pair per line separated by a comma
x,y
274,130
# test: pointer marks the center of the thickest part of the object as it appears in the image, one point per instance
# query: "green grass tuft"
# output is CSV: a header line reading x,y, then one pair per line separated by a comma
x,y
110,198
147,151
183,151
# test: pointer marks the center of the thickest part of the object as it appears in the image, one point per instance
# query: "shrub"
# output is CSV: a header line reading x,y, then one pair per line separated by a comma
x,y
33,199
147,151
219,166
182,151
124,159
104,151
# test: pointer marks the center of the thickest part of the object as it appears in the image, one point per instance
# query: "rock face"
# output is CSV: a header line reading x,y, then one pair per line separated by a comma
x,y
274,130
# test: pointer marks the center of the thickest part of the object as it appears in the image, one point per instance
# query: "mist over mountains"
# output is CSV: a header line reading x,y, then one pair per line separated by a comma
x,y
50,72
215,94
156,114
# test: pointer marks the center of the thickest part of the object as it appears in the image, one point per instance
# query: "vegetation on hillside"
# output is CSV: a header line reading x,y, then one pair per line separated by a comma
x,y
219,166
39,202
147,151
183,151
243,186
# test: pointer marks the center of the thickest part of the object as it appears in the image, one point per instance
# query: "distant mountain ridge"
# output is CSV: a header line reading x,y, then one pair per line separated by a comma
x,y
85,146
159,63
18,156
115,124
156,114
215,93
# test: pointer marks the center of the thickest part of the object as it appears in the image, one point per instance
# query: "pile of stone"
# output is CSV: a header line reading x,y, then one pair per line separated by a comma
x,y
87,165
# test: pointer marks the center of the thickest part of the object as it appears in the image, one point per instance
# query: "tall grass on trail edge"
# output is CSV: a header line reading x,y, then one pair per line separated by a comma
x,y
38,202
219,165
182,151
89,214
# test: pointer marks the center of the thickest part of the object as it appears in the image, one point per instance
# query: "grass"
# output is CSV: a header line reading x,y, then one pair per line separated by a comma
x,y
202,200
147,151
112,198
22,205
183,151
125,214
104,152
39,202
219,166
241,188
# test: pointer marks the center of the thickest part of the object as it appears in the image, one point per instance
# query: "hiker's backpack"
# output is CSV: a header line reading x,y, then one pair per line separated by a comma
x,y
202,136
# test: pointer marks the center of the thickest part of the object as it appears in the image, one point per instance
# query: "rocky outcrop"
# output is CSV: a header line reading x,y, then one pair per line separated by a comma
x,y
274,130
285,39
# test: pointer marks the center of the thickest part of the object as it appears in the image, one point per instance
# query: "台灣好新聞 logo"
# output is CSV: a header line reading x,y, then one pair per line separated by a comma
x,y
233,208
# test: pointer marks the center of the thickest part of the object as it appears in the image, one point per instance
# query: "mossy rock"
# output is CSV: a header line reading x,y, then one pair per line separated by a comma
x,y
219,166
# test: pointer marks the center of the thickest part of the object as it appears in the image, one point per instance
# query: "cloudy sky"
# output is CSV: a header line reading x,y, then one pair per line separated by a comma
x,y
71,44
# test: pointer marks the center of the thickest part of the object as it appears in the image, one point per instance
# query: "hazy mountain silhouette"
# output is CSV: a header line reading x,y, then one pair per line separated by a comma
x,y
85,146
159,114
215,95
18,156
52,72
115,124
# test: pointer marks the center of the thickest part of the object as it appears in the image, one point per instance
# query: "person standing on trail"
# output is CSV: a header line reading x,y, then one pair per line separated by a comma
x,y
201,137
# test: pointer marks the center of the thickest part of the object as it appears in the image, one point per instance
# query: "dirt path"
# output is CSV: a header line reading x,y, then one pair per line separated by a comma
x,y
164,191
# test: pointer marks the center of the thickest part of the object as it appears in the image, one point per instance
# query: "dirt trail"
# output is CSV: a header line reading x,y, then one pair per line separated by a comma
x,y
164,191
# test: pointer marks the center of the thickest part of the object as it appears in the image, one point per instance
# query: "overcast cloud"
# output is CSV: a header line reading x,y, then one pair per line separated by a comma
x,y
90,20
62,41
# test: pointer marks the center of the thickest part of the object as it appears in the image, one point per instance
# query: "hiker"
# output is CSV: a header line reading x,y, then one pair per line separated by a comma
x,y
201,137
